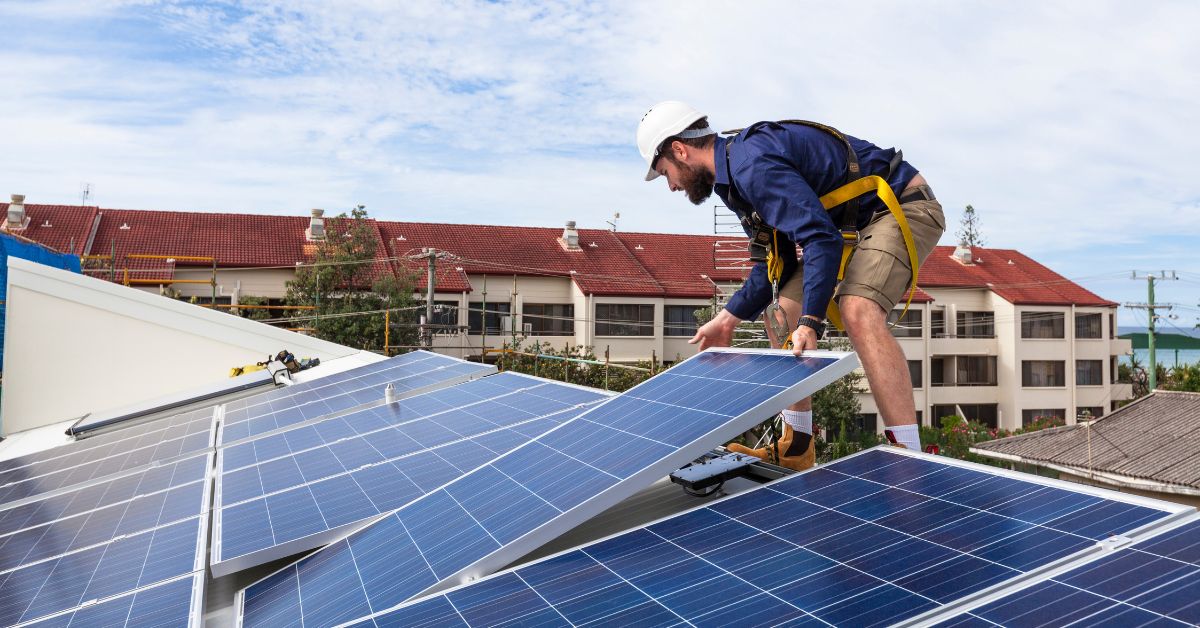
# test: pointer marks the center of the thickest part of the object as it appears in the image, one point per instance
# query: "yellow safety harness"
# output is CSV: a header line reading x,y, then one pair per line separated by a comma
x,y
844,195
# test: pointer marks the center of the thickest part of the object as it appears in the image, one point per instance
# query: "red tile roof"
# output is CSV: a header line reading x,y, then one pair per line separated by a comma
x,y
64,228
607,263
602,265
1010,274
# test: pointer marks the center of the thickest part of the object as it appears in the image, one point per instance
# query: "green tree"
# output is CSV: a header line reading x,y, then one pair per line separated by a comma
x,y
969,228
350,288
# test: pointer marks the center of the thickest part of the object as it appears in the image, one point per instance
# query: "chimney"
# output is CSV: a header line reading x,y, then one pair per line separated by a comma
x,y
16,213
316,226
962,254
570,237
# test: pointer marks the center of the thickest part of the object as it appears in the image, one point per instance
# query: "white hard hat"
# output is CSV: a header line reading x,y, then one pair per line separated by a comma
x,y
669,118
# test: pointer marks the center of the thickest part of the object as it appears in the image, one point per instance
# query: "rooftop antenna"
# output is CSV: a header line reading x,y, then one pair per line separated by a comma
x,y
85,193
613,223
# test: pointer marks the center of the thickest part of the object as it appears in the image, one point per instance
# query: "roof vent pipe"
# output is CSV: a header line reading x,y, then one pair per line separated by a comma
x,y
962,254
316,225
16,213
570,237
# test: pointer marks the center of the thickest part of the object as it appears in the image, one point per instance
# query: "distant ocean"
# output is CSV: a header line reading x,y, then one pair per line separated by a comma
x,y
1166,357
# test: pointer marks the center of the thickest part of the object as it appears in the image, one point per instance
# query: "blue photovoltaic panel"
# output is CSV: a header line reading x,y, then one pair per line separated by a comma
x,y
125,564
116,457
183,425
170,604
193,396
500,511
286,504
872,539
101,525
117,490
1156,581
308,401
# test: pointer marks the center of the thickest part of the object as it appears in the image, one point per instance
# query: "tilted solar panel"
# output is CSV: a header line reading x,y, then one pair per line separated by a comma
x,y
328,477
501,511
409,374
872,539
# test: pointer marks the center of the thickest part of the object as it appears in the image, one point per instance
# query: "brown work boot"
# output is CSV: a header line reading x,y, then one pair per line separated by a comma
x,y
794,450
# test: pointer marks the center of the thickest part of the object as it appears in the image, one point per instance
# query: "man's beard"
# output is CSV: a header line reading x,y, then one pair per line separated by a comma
x,y
696,182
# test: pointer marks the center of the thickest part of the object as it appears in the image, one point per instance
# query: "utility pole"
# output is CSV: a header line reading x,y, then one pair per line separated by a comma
x,y
1150,308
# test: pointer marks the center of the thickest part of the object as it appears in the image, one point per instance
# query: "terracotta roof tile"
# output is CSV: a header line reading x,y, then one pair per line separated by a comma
x,y
64,228
1010,274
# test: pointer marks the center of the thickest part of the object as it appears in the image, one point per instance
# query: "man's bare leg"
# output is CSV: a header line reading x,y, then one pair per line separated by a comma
x,y
794,449
885,365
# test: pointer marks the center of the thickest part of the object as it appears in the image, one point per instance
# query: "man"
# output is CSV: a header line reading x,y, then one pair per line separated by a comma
x,y
772,175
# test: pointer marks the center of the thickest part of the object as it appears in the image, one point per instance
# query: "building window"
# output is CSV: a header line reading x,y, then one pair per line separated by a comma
x,y
1043,415
1043,373
495,312
975,370
1113,370
985,413
865,423
1042,325
549,319
1088,326
1087,413
937,324
624,319
1089,372
976,325
938,374
680,320
914,372
907,326
1112,325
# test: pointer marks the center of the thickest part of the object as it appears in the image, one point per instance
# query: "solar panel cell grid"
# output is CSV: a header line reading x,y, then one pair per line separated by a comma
x,y
172,603
121,489
127,563
488,517
1156,581
860,542
281,408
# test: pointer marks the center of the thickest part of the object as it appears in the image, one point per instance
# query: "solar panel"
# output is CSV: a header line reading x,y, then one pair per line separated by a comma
x,y
873,539
114,418
1155,581
134,437
173,603
507,508
117,490
409,374
303,488
191,435
122,565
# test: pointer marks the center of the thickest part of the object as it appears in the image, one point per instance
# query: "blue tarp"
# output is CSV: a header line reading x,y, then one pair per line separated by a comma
x,y
12,247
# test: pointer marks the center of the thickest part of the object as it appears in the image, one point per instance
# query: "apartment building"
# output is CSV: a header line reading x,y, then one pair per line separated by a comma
x,y
991,334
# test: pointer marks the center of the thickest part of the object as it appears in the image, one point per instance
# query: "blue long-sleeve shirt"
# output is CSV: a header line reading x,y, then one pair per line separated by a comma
x,y
781,170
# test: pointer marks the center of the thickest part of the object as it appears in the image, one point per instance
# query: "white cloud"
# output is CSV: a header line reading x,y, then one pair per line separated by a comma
x,y
1068,126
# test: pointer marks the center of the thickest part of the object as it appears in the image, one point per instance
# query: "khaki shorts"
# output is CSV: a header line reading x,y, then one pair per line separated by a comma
x,y
879,269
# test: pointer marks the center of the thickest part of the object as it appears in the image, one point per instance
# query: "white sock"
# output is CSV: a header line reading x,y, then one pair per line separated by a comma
x,y
800,421
907,435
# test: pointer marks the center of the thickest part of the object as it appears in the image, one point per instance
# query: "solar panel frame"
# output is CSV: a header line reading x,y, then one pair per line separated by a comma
x,y
96,422
372,395
1174,514
840,363
222,566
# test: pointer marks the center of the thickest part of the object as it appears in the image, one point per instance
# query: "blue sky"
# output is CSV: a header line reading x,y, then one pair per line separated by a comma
x,y
1069,126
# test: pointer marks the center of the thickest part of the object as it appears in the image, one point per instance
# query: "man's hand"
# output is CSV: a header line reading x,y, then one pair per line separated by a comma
x,y
803,339
716,333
